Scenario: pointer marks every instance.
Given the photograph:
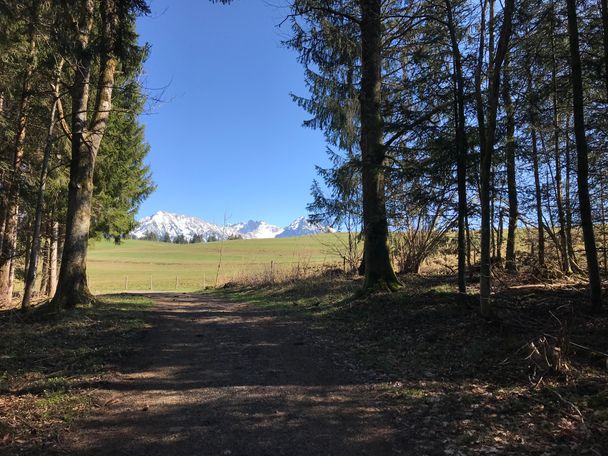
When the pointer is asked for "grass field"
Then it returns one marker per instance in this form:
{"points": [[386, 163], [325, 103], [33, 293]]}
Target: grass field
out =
{"points": [[148, 265]]}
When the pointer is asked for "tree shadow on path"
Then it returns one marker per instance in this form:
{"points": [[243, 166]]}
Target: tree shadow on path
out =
{"points": [[217, 377]]}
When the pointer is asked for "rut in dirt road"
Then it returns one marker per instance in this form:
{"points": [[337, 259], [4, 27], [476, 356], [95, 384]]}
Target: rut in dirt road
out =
{"points": [[219, 378]]}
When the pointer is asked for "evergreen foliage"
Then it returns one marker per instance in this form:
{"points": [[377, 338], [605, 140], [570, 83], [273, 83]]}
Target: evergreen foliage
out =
{"points": [[477, 124], [72, 149]]}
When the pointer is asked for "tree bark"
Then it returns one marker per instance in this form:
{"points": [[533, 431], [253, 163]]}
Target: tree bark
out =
{"points": [[487, 135], [53, 259], [493, 230], [3, 193], [559, 202], [461, 149], [44, 272], [379, 273], [565, 266], [604, 234], [500, 235], [72, 287], [582, 157], [538, 197], [468, 239], [11, 212], [568, 205], [604, 11], [484, 176], [510, 147], [30, 279]]}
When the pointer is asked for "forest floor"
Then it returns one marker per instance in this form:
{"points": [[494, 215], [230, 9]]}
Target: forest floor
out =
{"points": [[302, 368], [457, 384]]}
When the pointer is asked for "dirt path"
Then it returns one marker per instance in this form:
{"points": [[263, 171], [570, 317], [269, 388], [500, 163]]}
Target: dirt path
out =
{"points": [[219, 378]]}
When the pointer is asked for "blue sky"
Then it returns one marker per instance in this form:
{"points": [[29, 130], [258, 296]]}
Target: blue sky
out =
{"points": [[227, 138]]}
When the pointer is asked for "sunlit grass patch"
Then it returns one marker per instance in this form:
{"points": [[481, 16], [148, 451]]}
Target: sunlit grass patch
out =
{"points": [[161, 266]]}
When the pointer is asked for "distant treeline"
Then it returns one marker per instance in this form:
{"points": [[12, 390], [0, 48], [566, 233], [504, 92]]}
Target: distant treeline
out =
{"points": [[181, 239]]}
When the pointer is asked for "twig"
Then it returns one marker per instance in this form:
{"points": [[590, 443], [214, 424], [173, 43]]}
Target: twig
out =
{"points": [[590, 350], [566, 401]]}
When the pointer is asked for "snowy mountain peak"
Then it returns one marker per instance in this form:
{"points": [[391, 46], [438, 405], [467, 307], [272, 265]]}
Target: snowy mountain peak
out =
{"points": [[163, 224], [302, 227], [257, 229], [299, 222]]}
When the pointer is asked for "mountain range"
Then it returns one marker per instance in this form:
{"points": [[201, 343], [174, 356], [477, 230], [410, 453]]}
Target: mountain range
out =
{"points": [[166, 223]]}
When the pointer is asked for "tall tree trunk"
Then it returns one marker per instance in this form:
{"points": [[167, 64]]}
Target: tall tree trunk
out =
{"points": [[582, 158], [461, 149], [487, 134], [11, 212], [484, 177], [30, 278], [493, 229], [468, 237], [72, 287], [604, 11], [568, 204], [28, 229], [532, 120], [559, 201], [53, 258], [379, 273], [538, 197], [499, 234], [604, 234], [3, 193], [44, 272], [510, 260]]}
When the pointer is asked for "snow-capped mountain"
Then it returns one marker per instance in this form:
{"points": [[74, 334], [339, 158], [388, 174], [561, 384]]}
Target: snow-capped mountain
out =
{"points": [[163, 223], [254, 229], [302, 227]]}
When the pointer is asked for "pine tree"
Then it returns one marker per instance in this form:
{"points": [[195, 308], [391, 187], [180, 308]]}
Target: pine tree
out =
{"points": [[487, 133], [582, 157]]}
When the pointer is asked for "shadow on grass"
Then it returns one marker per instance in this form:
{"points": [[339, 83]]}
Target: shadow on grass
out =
{"points": [[224, 378], [429, 345], [44, 356]]}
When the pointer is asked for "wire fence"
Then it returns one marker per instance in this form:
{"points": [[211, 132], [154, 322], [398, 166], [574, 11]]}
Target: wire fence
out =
{"points": [[208, 276]]}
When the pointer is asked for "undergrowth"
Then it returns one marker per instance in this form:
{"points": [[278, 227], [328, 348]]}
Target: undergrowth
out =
{"points": [[463, 385]]}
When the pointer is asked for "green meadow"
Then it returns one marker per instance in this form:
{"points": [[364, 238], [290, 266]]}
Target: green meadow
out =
{"points": [[158, 266]]}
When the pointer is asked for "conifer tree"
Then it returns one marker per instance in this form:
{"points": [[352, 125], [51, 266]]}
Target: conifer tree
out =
{"points": [[582, 157], [114, 32], [486, 117]]}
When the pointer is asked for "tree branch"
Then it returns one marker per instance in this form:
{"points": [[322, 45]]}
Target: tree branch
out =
{"points": [[328, 10], [62, 122]]}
